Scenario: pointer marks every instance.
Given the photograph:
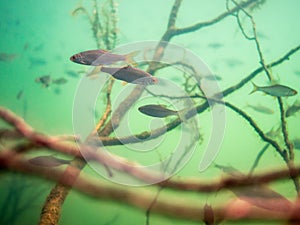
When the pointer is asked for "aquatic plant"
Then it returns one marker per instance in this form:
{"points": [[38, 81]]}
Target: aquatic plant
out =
{"points": [[250, 190]]}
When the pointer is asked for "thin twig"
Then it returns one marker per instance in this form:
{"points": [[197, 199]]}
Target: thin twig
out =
{"points": [[258, 157], [219, 18]]}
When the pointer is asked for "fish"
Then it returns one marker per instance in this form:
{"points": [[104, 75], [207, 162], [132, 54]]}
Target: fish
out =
{"points": [[130, 75], [57, 91], [276, 90], [20, 94], [72, 73], [48, 161], [26, 46], [36, 62], [39, 47], [215, 45], [233, 62], [261, 109], [297, 72], [60, 81], [9, 134], [44, 80], [212, 77], [102, 57], [296, 143], [208, 215], [258, 195], [7, 57], [293, 109], [159, 111]]}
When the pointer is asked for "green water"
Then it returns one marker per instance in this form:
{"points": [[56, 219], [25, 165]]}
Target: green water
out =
{"points": [[46, 31]]}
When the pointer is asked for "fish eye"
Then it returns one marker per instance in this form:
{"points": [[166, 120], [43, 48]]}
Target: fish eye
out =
{"points": [[154, 80]]}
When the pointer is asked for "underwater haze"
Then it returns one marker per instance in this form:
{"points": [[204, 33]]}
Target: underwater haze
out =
{"points": [[200, 124]]}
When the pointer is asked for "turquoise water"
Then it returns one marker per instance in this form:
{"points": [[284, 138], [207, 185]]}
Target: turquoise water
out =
{"points": [[43, 35]]}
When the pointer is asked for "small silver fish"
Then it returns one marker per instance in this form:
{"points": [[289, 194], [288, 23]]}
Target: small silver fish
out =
{"points": [[293, 109], [296, 143], [72, 73], [215, 45], [44, 80], [258, 195], [130, 75], [261, 109], [213, 77], [7, 57], [36, 62], [102, 57], [160, 111], [20, 94], [297, 72], [60, 81], [276, 90], [48, 161]]}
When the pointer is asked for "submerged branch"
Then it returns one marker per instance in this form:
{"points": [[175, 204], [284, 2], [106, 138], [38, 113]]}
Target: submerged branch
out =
{"points": [[219, 18], [15, 162], [8, 160], [173, 14], [259, 155]]}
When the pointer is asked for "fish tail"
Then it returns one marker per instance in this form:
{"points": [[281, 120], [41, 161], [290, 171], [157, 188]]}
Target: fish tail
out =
{"points": [[129, 58], [255, 88]]}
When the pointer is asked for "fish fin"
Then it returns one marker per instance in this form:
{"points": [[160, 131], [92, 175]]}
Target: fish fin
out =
{"points": [[255, 88], [129, 58], [94, 72]]}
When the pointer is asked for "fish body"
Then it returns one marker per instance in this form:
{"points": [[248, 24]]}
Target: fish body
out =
{"points": [[7, 57], [72, 73], [296, 143], [37, 62], [44, 80], [258, 195], [101, 57], [48, 161], [297, 72], [261, 108], [20, 94], [292, 110], [130, 75], [263, 197], [215, 45], [160, 111], [213, 77], [276, 90], [60, 81]]}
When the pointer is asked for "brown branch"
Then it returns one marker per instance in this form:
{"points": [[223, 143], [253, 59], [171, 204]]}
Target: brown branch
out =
{"points": [[13, 161], [173, 14], [289, 160], [255, 38], [107, 110], [200, 25], [288, 144], [258, 130], [8, 157], [258, 157], [142, 199]]}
